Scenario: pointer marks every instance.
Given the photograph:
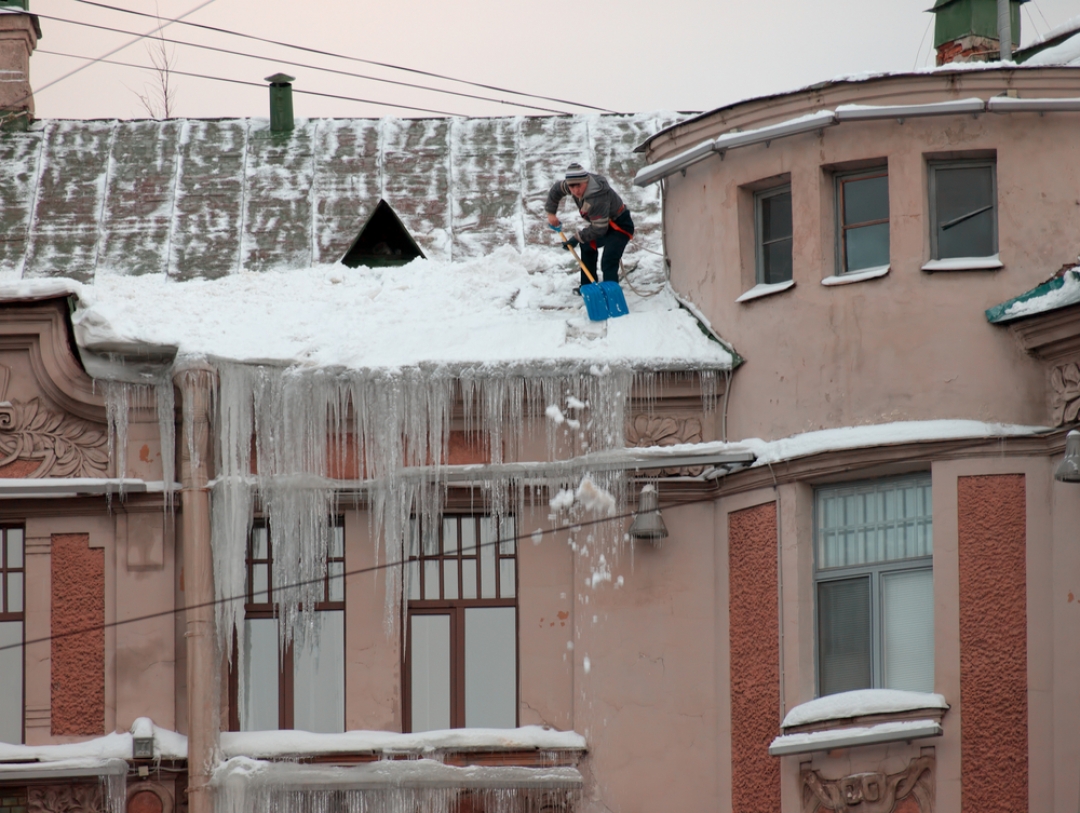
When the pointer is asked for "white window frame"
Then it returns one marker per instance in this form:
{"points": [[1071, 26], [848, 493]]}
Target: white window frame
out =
{"points": [[874, 572]]}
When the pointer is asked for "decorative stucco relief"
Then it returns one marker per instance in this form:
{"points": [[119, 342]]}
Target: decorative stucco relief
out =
{"points": [[65, 799], [63, 446], [664, 430], [910, 790], [1065, 392]]}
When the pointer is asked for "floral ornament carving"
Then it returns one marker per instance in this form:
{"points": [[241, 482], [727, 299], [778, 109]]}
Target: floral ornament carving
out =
{"points": [[659, 430], [1065, 395], [872, 792], [64, 445], [65, 799]]}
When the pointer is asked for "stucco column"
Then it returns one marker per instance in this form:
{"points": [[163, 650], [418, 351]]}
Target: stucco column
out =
{"points": [[196, 385]]}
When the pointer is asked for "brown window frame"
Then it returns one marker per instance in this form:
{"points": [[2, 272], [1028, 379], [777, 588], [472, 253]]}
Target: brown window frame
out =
{"points": [[8, 615], [455, 608], [267, 609], [842, 181]]}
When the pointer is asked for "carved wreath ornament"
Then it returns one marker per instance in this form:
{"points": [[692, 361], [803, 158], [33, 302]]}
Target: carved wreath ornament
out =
{"points": [[657, 430], [1065, 398], [65, 799], [64, 445]]}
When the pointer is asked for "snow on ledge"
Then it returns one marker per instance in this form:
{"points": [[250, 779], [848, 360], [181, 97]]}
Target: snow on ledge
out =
{"points": [[765, 289], [856, 276], [886, 434], [269, 744], [240, 773], [861, 703], [991, 263], [788, 744], [98, 751]]}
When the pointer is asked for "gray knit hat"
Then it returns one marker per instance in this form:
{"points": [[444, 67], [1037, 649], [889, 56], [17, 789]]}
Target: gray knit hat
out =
{"points": [[575, 173]]}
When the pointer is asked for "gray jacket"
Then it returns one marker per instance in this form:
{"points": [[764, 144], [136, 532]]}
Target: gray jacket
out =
{"points": [[600, 205]]}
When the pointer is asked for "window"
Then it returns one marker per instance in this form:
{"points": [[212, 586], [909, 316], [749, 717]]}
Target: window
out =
{"points": [[12, 618], [963, 209], [291, 687], [862, 201], [461, 653], [873, 562], [772, 219]]}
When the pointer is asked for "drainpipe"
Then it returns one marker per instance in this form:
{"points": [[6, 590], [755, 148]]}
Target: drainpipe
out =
{"points": [[1004, 30], [196, 385]]}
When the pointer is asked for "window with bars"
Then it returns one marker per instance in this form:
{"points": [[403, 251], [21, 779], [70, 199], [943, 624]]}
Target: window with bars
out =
{"points": [[290, 687], [862, 201], [12, 624], [461, 650], [873, 562]]}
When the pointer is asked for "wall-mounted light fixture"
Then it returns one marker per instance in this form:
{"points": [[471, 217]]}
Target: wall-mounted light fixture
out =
{"points": [[1068, 471], [648, 523]]}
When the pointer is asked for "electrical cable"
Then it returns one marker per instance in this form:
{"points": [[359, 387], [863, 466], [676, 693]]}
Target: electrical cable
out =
{"points": [[573, 526], [261, 85], [391, 66], [301, 65]]}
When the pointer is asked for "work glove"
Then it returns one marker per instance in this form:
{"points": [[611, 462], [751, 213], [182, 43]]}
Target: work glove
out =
{"points": [[571, 242]]}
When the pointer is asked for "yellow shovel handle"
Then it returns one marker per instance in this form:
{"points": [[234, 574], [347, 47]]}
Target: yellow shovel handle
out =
{"points": [[588, 273]]}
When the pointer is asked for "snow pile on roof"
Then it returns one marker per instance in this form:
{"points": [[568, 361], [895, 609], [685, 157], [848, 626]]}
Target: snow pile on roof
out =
{"points": [[885, 434], [509, 308], [269, 744], [167, 745], [1067, 292], [861, 703], [1064, 53]]}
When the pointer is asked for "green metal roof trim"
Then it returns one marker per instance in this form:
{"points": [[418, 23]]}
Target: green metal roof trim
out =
{"points": [[1060, 292], [207, 198]]}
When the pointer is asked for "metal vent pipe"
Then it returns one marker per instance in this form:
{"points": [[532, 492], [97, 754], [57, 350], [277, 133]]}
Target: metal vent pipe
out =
{"points": [[281, 111], [1004, 30]]}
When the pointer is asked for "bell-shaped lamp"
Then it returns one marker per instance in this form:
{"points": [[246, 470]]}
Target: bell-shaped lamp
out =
{"points": [[1068, 471], [648, 524]]}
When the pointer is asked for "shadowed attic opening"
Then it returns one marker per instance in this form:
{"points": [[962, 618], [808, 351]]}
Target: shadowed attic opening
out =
{"points": [[383, 241]]}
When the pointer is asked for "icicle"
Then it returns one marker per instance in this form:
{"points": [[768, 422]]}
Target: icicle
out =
{"points": [[117, 409], [114, 788]]}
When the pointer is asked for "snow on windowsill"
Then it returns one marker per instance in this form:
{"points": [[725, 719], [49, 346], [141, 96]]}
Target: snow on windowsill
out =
{"points": [[990, 263], [788, 744], [270, 744], [766, 289], [861, 703], [857, 276]]}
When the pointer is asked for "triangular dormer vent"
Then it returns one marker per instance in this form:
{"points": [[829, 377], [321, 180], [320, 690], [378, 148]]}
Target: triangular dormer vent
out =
{"points": [[382, 241]]}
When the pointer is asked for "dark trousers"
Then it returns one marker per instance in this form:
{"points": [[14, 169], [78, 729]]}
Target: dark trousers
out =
{"points": [[613, 243]]}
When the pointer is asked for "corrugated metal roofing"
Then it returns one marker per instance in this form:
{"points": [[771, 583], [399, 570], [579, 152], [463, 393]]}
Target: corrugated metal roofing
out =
{"points": [[206, 198]]}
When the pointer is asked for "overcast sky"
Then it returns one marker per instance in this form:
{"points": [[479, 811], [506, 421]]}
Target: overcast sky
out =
{"points": [[635, 55]]}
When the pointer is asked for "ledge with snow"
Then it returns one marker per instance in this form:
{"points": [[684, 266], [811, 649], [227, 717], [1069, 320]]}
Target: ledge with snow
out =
{"points": [[863, 717]]}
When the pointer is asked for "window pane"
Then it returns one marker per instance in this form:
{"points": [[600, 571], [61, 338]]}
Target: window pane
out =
{"points": [[490, 667], [430, 673], [487, 561], [449, 534], [14, 592], [337, 581], [450, 578], [844, 653], [962, 191], [319, 679], [11, 678], [15, 548], [866, 199], [775, 217], [414, 579], [879, 521], [431, 579], [507, 586], [866, 247], [259, 548], [260, 579], [507, 534], [337, 542], [468, 578], [776, 262], [908, 630], [468, 536], [259, 705]]}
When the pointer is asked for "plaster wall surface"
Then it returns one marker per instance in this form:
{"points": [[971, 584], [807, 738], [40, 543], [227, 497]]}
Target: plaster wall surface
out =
{"points": [[78, 656], [993, 641], [907, 346]]}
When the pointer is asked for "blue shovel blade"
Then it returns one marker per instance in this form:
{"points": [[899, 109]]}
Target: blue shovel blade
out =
{"points": [[595, 302], [616, 302]]}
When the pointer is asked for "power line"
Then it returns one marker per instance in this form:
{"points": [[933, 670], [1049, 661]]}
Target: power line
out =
{"points": [[260, 85], [304, 65], [573, 526], [391, 66]]}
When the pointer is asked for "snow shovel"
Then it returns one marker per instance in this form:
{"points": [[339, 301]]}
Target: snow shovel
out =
{"points": [[603, 299]]}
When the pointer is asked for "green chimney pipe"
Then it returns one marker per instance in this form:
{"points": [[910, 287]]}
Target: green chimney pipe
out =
{"points": [[281, 113], [23, 4]]}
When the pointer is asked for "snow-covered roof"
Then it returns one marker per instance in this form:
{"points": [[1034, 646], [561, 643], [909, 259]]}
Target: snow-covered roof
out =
{"points": [[206, 198], [1060, 291], [1066, 52]]}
